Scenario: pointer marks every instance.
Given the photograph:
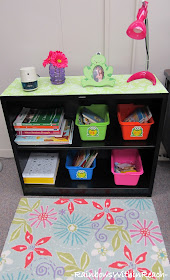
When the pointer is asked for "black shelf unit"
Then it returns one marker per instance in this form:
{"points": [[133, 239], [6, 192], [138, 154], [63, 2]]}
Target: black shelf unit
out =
{"points": [[102, 183]]}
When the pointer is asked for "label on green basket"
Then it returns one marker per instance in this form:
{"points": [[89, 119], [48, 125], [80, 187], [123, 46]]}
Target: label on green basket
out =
{"points": [[137, 131], [93, 131], [81, 174]]}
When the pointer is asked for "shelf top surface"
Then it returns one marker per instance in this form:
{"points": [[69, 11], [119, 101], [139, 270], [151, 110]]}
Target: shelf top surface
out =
{"points": [[72, 86]]}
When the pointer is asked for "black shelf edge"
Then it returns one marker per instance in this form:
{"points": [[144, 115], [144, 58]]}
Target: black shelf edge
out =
{"points": [[94, 146], [113, 140], [54, 191]]}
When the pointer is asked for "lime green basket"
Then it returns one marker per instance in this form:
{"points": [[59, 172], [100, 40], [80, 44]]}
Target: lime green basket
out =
{"points": [[94, 131]]}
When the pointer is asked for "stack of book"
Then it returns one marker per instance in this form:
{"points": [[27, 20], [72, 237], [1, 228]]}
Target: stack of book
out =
{"points": [[41, 168], [84, 158], [142, 115], [43, 127], [88, 117], [124, 167]]}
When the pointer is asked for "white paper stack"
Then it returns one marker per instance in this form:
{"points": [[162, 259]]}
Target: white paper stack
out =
{"points": [[41, 168]]}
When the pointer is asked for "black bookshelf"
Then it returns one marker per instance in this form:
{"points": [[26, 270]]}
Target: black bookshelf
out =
{"points": [[102, 183]]}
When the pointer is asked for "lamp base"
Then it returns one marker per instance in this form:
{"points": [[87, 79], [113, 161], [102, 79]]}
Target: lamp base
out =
{"points": [[143, 75]]}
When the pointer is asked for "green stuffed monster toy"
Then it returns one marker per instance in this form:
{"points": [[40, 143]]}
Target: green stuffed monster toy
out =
{"points": [[98, 73]]}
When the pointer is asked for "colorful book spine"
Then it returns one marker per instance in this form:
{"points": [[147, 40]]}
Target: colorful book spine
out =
{"points": [[136, 116], [91, 116], [48, 140], [58, 133], [91, 159], [45, 118], [81, 158]]}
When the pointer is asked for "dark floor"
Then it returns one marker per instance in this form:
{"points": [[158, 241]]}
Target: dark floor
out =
{"points": [[11, 192]]}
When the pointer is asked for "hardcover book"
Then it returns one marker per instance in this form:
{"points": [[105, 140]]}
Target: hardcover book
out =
{"points": [[37, 118], [92, 117], [81, 158], [90, 159], [141, 115], [39, 132], [48, 140]]}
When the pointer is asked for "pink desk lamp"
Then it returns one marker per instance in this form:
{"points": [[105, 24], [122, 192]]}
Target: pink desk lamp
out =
{"points": [[139, 30]]}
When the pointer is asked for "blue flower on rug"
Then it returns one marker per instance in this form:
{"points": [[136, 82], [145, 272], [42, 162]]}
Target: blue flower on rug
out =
{"points": [[17, 276], [72, 229], [140, 203]]}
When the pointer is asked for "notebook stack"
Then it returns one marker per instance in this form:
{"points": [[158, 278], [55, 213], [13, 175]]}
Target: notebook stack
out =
{"points": [[43, 127], [41, 168]]}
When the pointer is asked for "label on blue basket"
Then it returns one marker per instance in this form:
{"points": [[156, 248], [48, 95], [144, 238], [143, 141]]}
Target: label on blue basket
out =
{"points": [[137, 131], [93, 131], [81, 174]]}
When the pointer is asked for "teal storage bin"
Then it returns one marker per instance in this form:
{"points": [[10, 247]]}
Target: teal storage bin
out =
{"points": [[94, 131], [78, 173]]}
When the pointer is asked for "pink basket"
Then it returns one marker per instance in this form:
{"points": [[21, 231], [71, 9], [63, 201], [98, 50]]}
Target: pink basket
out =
{"points": [[128, 156]]}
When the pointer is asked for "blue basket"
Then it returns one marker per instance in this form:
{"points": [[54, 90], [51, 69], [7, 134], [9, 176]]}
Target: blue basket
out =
{"points": [[79, 173]]}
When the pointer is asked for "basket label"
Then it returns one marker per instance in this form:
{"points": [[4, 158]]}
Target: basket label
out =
{"points": [[93, 131], [137, 131], [81, 174]]}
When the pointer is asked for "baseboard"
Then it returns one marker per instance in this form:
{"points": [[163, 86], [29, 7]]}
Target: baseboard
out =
{"points": [[6, 153]]}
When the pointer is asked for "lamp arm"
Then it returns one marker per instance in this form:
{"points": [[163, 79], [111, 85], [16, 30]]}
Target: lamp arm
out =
{"points": [[147, 44]]}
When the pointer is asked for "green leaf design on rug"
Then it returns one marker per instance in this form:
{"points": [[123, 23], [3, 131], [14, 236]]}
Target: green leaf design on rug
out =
{"points": [[27, 228], [66, 258], [126, 236], [24, 202], [23, 224], [113, 227], [158, 270], [24, 206], [72, 266], [85, 260], [16, 233], [36, 205], [70, 270], [18, 221], [116, 240]]}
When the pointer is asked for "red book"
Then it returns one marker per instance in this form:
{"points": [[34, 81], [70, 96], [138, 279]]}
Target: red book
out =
{"points": [[58, 133]]}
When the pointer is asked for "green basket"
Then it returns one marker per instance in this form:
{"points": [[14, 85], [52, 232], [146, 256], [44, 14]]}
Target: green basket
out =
{"points": [[94, 131]]}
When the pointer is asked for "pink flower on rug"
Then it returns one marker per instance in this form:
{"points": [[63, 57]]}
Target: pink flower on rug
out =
{"points": [[71, 205], [106, 211], [130, 274], [146, 232], [42, 217], [32, 247]]}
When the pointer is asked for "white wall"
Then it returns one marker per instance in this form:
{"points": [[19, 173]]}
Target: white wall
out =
{"points": [[79, 28]]}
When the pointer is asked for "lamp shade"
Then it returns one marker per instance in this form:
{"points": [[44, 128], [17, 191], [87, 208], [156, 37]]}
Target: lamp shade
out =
{"points": [[137, 29]]}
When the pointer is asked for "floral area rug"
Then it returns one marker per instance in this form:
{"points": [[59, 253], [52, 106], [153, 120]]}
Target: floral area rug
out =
{"points": [[94, 239]]}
